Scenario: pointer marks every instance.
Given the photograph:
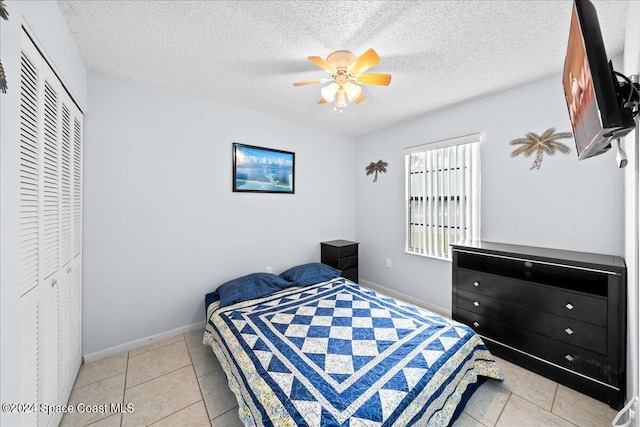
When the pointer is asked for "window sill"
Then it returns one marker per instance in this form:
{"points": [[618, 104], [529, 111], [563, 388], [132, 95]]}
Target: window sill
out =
{"points": [[429, 256]]}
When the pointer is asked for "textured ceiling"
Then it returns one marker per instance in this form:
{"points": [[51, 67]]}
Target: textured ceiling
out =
{"points": [[248, 53]]}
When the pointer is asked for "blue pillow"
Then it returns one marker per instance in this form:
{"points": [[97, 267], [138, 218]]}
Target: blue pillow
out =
{"points": [[309, 274], [248, 287]]}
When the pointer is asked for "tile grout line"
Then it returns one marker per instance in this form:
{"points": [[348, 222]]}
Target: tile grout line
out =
{"points": [[159, 376], [530, 401], [155, 348], [124, 389], [470, 416], [553, 403], [503, 408], [155, 378], [151, 349], [198, 381], [173, 413], [97, 381], [237, 408], [182, 367], [166, 373]]}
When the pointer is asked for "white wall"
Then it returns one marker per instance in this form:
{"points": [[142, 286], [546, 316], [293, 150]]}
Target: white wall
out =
{"points": [[162, 226], [566, 204], [48, 26], [632, 195]]}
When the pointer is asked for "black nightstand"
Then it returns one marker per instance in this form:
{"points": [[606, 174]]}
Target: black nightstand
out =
{"points": [[343, 255]]}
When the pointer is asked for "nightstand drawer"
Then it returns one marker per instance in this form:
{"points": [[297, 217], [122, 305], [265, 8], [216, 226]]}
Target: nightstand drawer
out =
{"points": [[351, 274], [587, 308], [347, 251], [347, 263]]}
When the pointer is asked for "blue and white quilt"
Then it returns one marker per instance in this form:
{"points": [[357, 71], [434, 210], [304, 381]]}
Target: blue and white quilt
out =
{"points": [[337, 354]]}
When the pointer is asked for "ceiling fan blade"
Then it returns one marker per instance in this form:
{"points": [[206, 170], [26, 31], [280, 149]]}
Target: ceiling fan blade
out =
{"points": [[321, 63], [310, 82], [360, 98], [364, 62], [322, 101], [374, 79]]}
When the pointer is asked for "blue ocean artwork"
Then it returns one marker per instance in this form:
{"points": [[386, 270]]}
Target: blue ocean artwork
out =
{"points": [[260, 169]]}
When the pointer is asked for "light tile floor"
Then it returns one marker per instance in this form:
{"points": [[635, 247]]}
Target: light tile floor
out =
{"points": [[179, 382]]}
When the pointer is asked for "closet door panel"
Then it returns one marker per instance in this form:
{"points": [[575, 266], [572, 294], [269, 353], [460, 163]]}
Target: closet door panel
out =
{"points": [[76, 239], [66, 184], [65, 328], [49, 341], [77, 183], [30, 257], [76, 312], [29, 355], [68, 352], [50, 175], [50, 179], [29, 176]]}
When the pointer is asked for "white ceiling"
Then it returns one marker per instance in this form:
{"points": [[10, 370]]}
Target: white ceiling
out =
{"points": [[248, 53]]}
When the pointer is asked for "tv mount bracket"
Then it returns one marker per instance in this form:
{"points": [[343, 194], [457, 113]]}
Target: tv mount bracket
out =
{"points": [[629, 92]]}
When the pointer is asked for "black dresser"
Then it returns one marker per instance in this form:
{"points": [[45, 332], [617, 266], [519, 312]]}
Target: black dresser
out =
{"points": [[343, 255], [559, 313]]}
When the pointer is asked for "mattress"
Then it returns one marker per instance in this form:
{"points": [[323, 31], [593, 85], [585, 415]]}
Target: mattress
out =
{"points": [[339, 354]]}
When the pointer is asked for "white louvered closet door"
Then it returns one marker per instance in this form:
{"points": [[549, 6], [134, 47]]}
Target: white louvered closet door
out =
{"points": [[50, 236]]}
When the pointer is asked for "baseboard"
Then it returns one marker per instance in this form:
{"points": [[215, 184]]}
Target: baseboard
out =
{"points": [[132, 345], [407, 298]]}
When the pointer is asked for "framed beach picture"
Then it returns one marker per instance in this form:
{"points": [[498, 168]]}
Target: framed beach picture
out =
{"points": [[262, 170]]}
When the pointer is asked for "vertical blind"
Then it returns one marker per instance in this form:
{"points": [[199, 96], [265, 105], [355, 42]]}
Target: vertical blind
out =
{"points": [[442, 195]]}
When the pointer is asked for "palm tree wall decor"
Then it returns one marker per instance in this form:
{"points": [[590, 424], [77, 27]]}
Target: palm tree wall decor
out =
{"points": [[545, 143], [374, 168], [3, 78]]}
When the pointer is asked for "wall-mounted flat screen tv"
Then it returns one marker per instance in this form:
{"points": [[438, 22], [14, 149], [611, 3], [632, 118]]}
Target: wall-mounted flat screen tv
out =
{"points": [[590, 86]]}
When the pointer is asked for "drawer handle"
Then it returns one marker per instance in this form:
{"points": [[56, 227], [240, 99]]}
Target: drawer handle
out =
{"points": [[476, 324], [569, 357], [569, 306], [476, 284], [476, 303], [569, 331]]}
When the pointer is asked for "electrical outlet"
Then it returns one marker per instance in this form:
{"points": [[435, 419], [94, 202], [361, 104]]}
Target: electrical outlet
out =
{"points": [[388, 263], [268, 269]]}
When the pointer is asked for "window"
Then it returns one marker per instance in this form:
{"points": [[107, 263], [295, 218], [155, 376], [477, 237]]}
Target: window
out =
{"points": [[442, 195]]}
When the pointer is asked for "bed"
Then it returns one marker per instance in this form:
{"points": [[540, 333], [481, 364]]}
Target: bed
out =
{"points": [[335, 353]]}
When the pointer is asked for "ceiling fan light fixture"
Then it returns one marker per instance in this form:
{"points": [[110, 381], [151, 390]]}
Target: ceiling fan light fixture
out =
{"points": [[329, 92], [348, 73], [352, 90], [341, 98]]}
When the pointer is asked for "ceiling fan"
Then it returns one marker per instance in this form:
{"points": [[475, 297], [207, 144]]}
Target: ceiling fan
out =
{"points": [[347, 73]]}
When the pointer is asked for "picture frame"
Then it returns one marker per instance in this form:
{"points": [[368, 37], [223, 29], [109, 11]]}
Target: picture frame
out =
{"points": [[263, 170]]}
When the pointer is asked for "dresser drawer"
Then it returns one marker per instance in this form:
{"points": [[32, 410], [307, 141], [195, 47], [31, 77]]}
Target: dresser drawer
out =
{"points": [[577, 359], [579, 306], [571, 331]]}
